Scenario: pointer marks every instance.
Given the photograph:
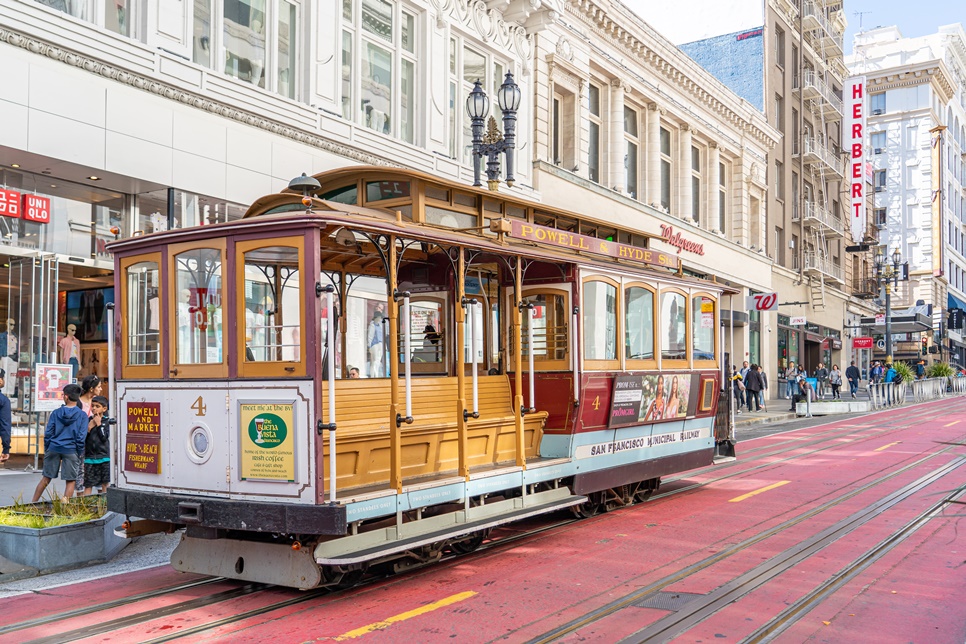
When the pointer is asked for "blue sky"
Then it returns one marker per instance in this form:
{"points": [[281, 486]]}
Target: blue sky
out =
{"points": [[914, 19], [715, 17]]}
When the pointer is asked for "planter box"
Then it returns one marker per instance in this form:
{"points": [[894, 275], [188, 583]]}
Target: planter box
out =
{"points": [[65, 546], [826, 408]]}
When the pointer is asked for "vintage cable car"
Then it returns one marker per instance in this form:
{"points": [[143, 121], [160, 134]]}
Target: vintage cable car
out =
{"points": [[376, 366]]}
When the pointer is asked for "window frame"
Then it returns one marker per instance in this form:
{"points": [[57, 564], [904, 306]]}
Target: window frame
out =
{"points": [[667, 167], [696, 182], [595, 120], [445, 366], [207, 370], [632, 140], [140, 371], [668, 363], [605, 364], [538, 363], [715, 350], [643, 364], [269, 369]]}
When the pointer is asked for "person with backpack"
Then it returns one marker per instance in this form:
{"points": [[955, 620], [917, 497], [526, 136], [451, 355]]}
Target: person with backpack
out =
{"points": [[853, 376], [890, 378]]}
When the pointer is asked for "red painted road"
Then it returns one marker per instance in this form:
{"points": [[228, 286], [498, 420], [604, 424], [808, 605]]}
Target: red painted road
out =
{"points": [[746, 520]]}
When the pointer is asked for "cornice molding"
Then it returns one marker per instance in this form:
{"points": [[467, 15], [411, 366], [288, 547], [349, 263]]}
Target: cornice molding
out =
{"points": [[189, 98], [606, 28], [933, 71]]}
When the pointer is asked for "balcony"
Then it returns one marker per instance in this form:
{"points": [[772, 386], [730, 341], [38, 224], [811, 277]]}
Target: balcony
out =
{"points": [[829, 164], [814, 88], [827, 34], [819, 217], [821, 267], [865, 287]]}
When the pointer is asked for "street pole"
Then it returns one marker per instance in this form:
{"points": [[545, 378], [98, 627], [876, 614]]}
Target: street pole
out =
{"points": [[888, 323]]}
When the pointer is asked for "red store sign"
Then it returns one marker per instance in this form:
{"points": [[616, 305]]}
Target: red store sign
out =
{"points": [[30, 207], [681, 243]]}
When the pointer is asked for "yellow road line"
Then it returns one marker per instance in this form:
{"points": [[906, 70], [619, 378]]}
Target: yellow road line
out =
{"points": [[416, 612], [879, 449], [951, 424], [764, 489]]}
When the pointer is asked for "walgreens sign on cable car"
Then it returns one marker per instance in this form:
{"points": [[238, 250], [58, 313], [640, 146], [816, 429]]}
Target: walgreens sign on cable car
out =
{"points": [[24, 206]]}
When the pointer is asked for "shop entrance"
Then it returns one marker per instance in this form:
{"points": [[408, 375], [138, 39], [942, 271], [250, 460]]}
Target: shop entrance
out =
{"points": [[29, 338], [813, 355]]}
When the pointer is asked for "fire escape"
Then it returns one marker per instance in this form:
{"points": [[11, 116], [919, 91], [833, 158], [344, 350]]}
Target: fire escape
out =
{"points": [[823, 28]]}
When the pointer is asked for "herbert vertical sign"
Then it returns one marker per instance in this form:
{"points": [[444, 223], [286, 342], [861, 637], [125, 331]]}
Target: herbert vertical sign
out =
{"points": [[855, 143], [142, 451], [267, 441]]}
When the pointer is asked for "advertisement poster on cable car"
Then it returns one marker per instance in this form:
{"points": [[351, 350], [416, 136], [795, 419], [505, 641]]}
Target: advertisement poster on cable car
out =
{"points": [[641, 399], [50, 379], [267, 440]]}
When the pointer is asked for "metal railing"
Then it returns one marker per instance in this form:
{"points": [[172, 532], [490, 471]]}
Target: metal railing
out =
{"points": [[815, 262], [891, 394], [815, 87], [815, 212], [830, 33], [830, 163]]}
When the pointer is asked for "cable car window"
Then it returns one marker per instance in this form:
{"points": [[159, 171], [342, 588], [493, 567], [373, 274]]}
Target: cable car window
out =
{"points": [[143, 281], [346, 194], [272, 305], [198, 288], [702, 327], [673, 322], [383, 190], [427, 336], [367, 329], [551, 338], [600, 321], [639, 323]]}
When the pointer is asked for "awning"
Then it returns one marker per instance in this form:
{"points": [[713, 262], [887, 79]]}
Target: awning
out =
{"points": [[953, 302], [902, 322]]}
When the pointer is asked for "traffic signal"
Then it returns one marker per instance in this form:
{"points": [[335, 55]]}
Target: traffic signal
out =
{"points": [[925, 345]]}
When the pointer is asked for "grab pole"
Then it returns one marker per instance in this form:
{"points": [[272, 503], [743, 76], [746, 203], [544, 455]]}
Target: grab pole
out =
{"points": [[330, 349], [473, 332], [530, 312], [407, 352]]}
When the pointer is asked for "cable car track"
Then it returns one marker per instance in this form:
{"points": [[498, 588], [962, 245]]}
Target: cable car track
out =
{"points": [[494, 545], [676, 623]]}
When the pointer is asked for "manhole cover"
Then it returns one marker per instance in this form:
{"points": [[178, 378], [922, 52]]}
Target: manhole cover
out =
{"points": [[667, 601]]}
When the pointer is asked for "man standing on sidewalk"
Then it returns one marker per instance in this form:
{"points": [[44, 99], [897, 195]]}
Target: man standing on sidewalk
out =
{"points": [[753, 386], [853, 376], [821, 376]]}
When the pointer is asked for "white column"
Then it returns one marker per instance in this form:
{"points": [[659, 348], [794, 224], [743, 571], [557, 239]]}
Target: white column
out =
{"points": [[616, 149], [653, 155], [684, 175], [711, 214]]}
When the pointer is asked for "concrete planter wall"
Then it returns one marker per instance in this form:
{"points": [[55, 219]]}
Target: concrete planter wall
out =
{"points": [[65, 546], [837, 407]]}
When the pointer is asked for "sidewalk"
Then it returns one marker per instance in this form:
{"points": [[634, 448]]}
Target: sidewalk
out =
{"points": [[776, 413]]}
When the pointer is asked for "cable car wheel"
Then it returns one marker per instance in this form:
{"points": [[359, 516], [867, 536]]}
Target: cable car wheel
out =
{"points": [[590, 507], [645, 489], [469, 543], [342, 577]]}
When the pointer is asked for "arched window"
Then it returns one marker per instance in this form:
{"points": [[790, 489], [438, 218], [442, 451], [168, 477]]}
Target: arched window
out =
{"points": [[639, 327], [674, 329], [599, 307]]}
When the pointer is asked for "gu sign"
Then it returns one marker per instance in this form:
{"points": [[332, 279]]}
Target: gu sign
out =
{"points": [[855, 143]]}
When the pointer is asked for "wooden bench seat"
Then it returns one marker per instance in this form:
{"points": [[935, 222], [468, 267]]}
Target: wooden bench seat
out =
{"points": [[430, 444]]}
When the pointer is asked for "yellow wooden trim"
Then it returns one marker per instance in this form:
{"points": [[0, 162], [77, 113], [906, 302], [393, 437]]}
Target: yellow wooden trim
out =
{"points": [[552, 365], [270, 369], [395, 432], [148, 372], [206, 370]]}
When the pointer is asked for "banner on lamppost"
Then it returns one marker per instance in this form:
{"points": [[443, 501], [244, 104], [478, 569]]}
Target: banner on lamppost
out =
{"points": [[855, 143]]}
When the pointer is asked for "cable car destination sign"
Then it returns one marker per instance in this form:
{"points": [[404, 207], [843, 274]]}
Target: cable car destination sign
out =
{"points": [[574, 241]]}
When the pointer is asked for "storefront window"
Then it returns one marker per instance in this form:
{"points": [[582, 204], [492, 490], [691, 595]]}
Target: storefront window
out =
{"points": [[272, 305], [143, 314], [189, 210], [198, 312]]}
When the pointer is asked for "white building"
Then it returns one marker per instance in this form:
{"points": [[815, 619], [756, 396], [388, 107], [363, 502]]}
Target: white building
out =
{"points": [[917, 116]]}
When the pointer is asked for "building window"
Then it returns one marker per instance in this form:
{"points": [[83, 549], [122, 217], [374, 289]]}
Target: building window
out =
{"points": [[555, 130], [379, 67], [257, 38], [593, 152], [695, 184], [780, 113], [779, 180], [631, 147], [780, 246], [878, 142], [879, 180], [722, 197], [115, 14], [665, 169], [878, 103], [467, 65], [779, 46]]}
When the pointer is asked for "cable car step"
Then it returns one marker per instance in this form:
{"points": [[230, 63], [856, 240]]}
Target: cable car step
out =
{"points": [[380, 543]]}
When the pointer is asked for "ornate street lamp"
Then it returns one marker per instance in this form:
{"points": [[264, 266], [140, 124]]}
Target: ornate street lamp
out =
{"points": [[492, 143], [887, 276]]}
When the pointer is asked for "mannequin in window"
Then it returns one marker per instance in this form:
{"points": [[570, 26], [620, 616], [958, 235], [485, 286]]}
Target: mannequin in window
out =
{"points": [[374, 336], [184, 326], [69, 350], [10, 348]]}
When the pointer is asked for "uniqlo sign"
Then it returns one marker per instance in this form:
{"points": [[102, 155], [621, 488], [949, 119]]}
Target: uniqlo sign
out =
{"points": [[9, 203], [36, 208]]}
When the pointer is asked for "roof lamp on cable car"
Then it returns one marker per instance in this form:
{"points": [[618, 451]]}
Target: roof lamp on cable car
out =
{"points": [[306, 185], [492, 143]]}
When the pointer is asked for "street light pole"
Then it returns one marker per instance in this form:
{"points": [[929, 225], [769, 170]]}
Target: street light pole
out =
{"points": [[887, 276], [488, 141]]}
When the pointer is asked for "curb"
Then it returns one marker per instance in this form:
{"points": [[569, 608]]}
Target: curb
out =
{"points": [[763, 420]]}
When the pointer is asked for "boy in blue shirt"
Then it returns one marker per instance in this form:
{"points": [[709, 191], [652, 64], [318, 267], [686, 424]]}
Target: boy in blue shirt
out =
{"points": [[64, 441]]}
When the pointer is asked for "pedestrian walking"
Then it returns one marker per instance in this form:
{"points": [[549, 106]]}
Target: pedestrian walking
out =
{"points": [[921, 370], [753, 385], [64, 442], [744, 373], [763, 395], [792, 386], [835, 380], [738, 387], [853, 376]]}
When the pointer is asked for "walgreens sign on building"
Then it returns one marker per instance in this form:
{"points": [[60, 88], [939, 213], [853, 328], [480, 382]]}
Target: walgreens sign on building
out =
{"points": [[855, 143]]}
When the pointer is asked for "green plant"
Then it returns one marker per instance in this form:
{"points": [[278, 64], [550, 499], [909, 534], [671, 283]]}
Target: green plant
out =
{"points": [[940, 370], [905, 370], [53, 512]]}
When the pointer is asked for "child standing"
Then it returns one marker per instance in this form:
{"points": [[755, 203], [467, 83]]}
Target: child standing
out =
{"points": [[97, 452], [64, 441]]}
